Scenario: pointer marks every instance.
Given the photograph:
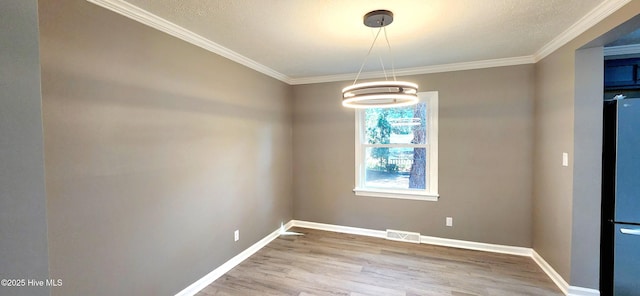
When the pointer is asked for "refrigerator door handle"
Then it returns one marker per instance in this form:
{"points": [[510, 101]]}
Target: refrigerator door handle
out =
{"points": [[630, 231]]}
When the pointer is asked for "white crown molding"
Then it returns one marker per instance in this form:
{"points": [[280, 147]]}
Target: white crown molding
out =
{"points": [[133, 12], [200, 284], [420, 70], [596, 15], [138, 14], [622, 50]]}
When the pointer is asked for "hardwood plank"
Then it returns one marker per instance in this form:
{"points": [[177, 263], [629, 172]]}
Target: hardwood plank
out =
{"points": [[328, 263]]}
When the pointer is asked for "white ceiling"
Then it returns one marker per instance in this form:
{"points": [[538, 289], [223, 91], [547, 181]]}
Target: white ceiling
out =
{"points": [[301, 41]]}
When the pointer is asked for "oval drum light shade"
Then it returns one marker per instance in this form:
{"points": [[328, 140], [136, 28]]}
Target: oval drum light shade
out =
{"points": [[379, 94]]}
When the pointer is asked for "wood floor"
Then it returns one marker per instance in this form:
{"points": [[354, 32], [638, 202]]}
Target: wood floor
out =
{"points": [[328, 263]]}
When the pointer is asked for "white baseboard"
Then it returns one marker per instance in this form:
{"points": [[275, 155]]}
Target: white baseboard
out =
{"points": [[200, 284], [520, 251], [555, 277], [559, 281], [454, 243], [338, 228], [423, 239], [511, 250], [579, 291]]}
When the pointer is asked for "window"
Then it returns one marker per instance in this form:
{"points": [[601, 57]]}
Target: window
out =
{"points": [[397, 150]]}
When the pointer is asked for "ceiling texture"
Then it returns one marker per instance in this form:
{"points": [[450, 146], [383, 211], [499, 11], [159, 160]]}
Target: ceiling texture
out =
{"points": [[307, 41]]}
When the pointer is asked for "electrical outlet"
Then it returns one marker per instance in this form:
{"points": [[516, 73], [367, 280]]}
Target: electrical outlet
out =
{"points": [[565, 159], [236, 235], [449, 221]]}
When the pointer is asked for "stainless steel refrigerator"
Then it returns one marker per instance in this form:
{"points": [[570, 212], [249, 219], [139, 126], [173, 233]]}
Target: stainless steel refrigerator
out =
{"points": [[620, 262]]}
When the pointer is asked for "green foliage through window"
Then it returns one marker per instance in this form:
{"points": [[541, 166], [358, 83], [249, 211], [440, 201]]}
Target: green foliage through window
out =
{"points": [[398, 129]]}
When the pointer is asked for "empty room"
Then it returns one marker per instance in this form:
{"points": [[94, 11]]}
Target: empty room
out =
{"points": [[319, 147]]}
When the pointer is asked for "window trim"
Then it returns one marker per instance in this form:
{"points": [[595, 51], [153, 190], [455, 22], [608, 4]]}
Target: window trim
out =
{"points": [[431, 98]]}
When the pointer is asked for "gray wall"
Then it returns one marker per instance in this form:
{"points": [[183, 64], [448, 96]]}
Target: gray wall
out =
{"points": [[587, 174], [552, 207], [156, 151], [23, 222], [566, 201], [485, 157]]}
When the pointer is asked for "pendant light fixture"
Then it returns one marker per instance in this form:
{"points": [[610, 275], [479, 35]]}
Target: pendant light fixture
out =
{"points": [[379, 94]]}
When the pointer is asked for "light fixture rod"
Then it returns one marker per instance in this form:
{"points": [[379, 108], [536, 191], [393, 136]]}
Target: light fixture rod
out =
{"points": [[368, 54], [393, 68]]}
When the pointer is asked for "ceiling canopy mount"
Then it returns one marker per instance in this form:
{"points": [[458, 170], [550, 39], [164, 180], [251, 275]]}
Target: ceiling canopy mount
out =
{"points": [[378, 18]]}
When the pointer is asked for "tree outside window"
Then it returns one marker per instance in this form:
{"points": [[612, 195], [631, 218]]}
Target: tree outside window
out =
{"points": [[397, 150]]}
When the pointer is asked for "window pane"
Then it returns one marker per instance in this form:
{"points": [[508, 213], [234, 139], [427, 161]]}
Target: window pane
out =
{"points": [[396, 168], [402, 125]]}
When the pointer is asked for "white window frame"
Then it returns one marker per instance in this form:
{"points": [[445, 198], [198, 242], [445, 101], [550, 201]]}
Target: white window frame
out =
{"points": [[429, 194]]}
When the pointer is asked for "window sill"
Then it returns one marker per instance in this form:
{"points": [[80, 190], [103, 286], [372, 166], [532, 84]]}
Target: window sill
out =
{"points": [[399, 194]]}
